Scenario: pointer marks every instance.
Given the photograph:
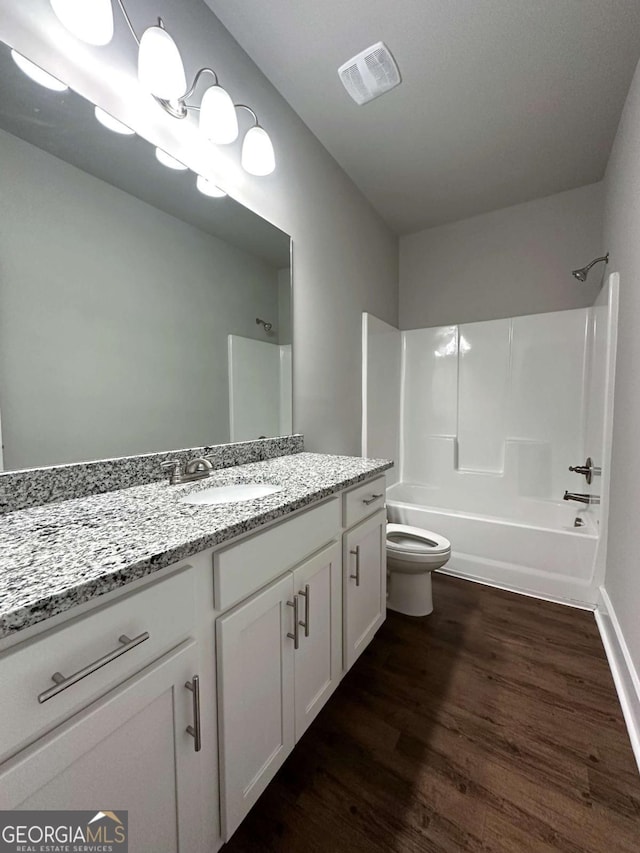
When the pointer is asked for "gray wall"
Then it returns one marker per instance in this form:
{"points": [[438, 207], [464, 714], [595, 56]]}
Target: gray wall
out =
{"points": [[345, 257], [622, 230], [504, 263], [113, 317]]}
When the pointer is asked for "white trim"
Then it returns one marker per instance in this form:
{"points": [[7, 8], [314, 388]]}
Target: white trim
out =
{"points": [[365, 382], [230, 381], [538, 583], [624, 673], [517, 590], [403, 396], [612, 293]]}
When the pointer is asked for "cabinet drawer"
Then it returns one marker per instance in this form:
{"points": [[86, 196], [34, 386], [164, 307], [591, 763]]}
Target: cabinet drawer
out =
{"points": [[89, 646], [363, 501], [243, 568]]}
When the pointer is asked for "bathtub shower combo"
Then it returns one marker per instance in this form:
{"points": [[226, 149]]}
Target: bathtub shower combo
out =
{"points": [[486, 422]]}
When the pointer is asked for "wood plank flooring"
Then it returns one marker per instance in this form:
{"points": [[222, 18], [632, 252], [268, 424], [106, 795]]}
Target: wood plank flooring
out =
{"points": [[491, 725]]}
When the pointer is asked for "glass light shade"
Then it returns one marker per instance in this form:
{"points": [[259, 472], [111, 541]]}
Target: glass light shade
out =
{"points": [[207, 187], [112, 123], [160, 68], [88, 20], [218, 120], [37, 74], [258, 156], [169, 161]]}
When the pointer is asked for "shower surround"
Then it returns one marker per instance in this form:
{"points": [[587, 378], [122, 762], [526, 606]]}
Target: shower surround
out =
{"points": [[491, 415]]}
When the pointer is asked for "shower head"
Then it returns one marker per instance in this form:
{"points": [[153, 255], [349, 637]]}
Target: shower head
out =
{"points": [[267, 326], [583, 272]]}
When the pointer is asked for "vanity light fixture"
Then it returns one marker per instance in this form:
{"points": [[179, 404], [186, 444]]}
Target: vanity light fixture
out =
{"points": [[208, 188], [37, 74], [160, 68], [89, 20], [161, 72], [218, 119], [169, 161], [112, 123], [258, 156]]}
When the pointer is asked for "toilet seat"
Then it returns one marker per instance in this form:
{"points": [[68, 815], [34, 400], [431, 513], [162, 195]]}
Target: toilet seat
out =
{"points": [[413, 544]]}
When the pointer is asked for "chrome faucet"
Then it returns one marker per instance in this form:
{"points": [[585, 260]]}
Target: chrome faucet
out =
{"points": [[194, 469], [582, 498]]}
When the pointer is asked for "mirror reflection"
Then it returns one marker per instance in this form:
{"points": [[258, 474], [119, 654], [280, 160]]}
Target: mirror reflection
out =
{"points": [[137, 313]]}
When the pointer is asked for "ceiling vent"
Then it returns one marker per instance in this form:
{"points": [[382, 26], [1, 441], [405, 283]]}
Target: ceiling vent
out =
{"points": [[370, 74]]}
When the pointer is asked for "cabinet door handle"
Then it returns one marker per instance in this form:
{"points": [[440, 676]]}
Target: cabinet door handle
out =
{"points": [[296, 623], [62, 682], [356, 553], [307, 608], [372, 499], [195, 730]]}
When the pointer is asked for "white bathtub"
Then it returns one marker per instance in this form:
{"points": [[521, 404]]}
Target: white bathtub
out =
{"points": [[538, 552]]}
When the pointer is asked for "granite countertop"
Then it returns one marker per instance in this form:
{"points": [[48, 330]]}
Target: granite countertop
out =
{"points": [[56, 556]]}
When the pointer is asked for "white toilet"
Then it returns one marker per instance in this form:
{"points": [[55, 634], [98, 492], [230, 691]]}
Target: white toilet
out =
{"points": [[412, 554]]}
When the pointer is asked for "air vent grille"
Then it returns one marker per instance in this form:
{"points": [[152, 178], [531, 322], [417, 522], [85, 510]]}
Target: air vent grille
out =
{"points": [[370, 74], [354, 84]]}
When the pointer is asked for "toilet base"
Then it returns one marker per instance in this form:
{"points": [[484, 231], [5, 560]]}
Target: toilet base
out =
{"points": [[409, 593]]}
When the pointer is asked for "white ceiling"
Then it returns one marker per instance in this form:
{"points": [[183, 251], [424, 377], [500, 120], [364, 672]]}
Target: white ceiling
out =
{"points": [[502, 101]]}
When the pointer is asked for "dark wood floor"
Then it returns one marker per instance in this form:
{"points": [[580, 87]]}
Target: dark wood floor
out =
{"points": [[492, 725]]}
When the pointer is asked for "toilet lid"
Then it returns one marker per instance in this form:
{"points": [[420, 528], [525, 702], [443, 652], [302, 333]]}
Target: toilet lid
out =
{"points": [[404, 539]]}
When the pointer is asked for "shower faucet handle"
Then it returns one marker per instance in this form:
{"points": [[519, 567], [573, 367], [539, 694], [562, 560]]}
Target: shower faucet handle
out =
{"points": [[580, 469], [588, 470]]}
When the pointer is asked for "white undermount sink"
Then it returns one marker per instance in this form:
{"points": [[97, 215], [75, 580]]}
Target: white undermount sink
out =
{"points": [[230, 494]]}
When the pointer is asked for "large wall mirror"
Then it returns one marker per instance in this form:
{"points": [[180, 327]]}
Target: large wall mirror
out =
{"points": [[136, 313]]}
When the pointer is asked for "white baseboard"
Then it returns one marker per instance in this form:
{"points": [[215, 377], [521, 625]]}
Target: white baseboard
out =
{"points": [[624, 673]]}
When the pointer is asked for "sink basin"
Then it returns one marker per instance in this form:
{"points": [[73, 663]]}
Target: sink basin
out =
{"points": [[230, 494]]}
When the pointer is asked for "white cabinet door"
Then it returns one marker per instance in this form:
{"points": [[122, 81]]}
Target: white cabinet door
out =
{"points": [[129, 751], [365, 584], [318, 659], [255, 697]]}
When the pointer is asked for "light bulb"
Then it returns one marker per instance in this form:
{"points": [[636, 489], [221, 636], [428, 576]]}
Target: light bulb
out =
{"points": [[258, 156], [88, 20], [207, 187], [169, 161], [160, 68], [112, 123], [37, 74], [218, 120]]}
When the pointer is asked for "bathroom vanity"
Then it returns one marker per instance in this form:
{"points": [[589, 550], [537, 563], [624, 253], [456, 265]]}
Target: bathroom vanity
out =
{"points": [[159, 656], [165, 658]]}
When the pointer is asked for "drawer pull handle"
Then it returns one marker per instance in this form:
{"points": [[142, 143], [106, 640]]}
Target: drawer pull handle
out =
{"points": [[307, 608], [195, 730], [296, 623], [62, 682], [372, 499], [356, 553]]}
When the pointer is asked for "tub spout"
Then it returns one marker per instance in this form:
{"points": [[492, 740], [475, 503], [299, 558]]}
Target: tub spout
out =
{"points": [[582, 498]]}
